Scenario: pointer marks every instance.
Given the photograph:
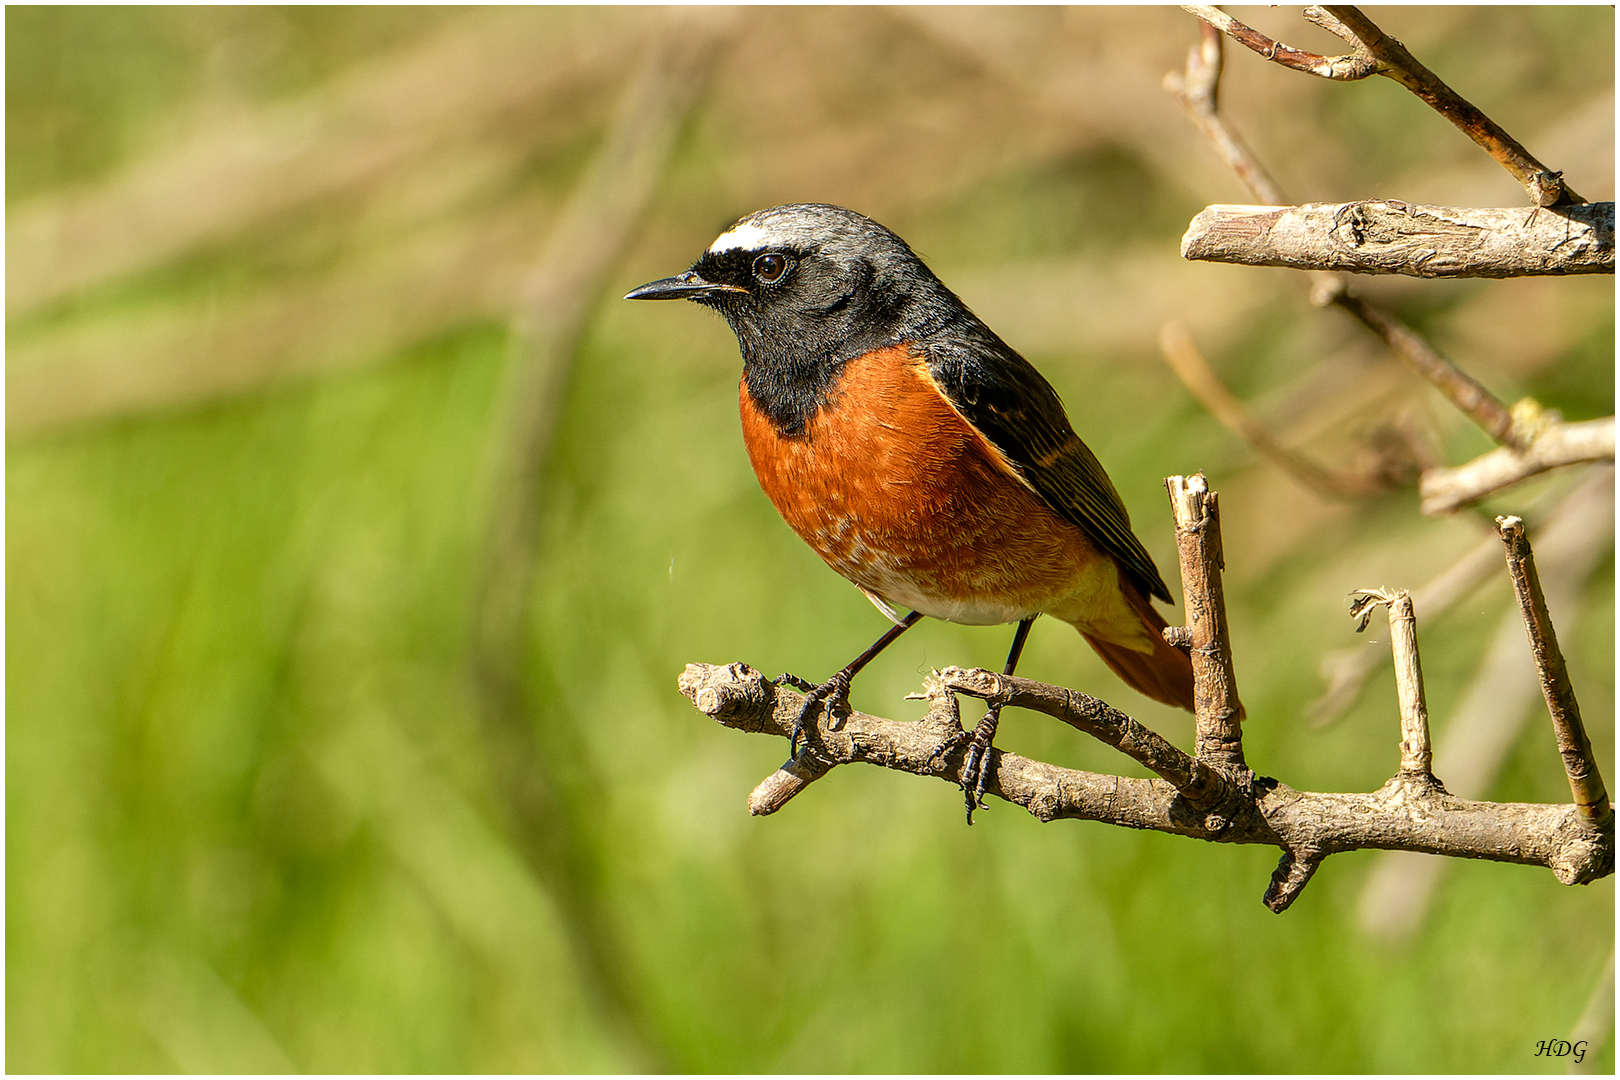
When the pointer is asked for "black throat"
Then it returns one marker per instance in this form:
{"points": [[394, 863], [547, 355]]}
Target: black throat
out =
{"points": [[790, 380]]}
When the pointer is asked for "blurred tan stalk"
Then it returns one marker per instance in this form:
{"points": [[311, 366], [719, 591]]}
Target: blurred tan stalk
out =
{"points": [[527, 737]]}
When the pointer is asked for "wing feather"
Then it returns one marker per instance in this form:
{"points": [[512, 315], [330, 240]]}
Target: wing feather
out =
{"points": [[1011, 404]]}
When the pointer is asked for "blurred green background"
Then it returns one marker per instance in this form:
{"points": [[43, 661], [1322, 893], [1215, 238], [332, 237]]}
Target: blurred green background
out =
{"points": [[273, 275]]}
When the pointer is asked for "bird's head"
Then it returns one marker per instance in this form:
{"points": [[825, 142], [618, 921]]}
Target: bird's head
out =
{"points": [[806, 282]]}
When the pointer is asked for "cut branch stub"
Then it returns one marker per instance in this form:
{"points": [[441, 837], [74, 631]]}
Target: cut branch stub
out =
{"points": [[1585, 779], [1416, 757], [1293, 873], [1217, 710]]}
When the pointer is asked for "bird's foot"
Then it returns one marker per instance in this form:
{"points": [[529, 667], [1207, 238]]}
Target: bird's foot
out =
{"points": [[976, 765], [831, 697]]}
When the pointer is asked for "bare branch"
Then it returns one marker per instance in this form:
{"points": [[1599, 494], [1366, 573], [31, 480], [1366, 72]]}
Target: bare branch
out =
{"points": [[1546, 187], [1552, 445], [1478, 737], [1460, 388], [1198, 540], [1381, 236], [1349, 67], [1197, 89], [1194, 779], [1184, 358], [1375, 53], [1585, 779], [1310, 825]]}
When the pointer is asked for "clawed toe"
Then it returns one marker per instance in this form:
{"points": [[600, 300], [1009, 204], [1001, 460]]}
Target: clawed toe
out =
{"points": [[830, 697], [976, 765]]}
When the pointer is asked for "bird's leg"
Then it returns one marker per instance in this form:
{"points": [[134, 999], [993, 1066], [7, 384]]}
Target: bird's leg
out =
{"points": [[835, 691], [976, 767]]}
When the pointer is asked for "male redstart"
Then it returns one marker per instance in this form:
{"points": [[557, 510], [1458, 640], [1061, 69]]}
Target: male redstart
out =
{"points": [[919, 455]]}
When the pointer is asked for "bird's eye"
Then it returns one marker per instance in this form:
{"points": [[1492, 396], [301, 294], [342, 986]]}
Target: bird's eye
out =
{"points": [[770, 268]]}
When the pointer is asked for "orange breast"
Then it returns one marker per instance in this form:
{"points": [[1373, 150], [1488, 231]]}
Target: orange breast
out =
{"points": [[902, 496]]}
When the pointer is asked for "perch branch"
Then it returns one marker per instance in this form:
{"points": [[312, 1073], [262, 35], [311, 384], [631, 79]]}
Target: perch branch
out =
{"points": [[1553, 444], [1380, 236], [1585, 779], [1210, 796], [1310, 825], [1185, 359], [1194, 779], [1215, 698], [1374, 52]]}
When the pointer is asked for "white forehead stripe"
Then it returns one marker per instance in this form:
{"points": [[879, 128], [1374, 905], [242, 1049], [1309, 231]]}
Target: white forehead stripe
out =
{"points": [[744, 236]]}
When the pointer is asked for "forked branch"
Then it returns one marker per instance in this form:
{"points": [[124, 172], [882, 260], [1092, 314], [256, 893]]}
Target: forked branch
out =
{"points": [[1210, 795], [1374, 52]]}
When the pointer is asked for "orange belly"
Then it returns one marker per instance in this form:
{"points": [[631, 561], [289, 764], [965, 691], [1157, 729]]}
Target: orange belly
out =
{"points": [[902, 496]]}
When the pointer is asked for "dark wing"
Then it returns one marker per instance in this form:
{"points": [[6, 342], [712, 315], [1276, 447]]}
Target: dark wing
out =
{"points": [[1012, 405]]}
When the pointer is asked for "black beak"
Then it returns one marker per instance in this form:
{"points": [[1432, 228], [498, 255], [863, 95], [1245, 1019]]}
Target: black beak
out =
{"points": [[687, 286]]}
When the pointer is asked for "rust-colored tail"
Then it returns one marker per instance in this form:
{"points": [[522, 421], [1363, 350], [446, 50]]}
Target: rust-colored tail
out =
{"points": [[1165, 674]]}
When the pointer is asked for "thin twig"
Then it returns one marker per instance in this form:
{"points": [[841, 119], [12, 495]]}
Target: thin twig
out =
{"points": [[1198, 89], [1353, 65], [1585, 778], [1375, 53], [1460, 388], [1182, 354], [1348, 669], [1551, 444], [1546, 188], [1385, 236], [1217, 711]]}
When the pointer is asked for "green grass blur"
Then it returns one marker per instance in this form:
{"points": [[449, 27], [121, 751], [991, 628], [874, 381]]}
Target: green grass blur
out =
{"points": [[251, 824]]}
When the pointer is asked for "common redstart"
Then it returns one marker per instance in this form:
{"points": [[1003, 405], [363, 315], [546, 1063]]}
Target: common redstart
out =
{"points": [[919, 455]]}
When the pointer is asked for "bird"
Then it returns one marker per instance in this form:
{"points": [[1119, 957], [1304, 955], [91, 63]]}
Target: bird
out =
{"points": [[920, 456]]}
